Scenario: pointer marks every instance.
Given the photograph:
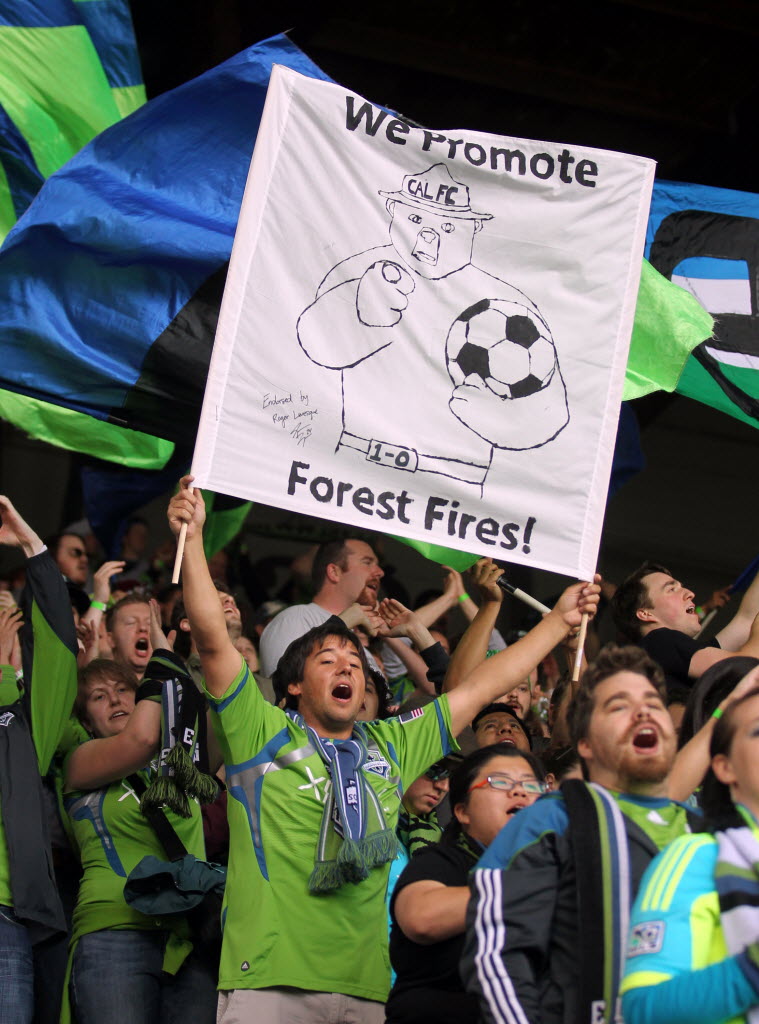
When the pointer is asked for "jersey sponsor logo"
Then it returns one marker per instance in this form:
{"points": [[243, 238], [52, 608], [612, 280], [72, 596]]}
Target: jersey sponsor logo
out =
{"points": [[6, 718], [245, 966], [646, 938], [377, 764], [409, 716]]}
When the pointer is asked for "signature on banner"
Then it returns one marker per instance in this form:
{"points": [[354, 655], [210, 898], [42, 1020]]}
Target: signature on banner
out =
{"points": [[290, 410]]}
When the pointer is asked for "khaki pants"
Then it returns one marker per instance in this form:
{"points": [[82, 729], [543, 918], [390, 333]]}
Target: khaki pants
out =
{"points": [[295, 1006]]}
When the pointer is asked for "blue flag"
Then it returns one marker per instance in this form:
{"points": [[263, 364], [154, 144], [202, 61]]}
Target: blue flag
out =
{"points": [[110, 284]]}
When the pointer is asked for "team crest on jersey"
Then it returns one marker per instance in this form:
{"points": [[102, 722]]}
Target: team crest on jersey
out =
{"points": [[377, 764], [646, 938]]}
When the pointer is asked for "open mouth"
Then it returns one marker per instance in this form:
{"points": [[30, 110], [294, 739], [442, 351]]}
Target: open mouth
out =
{"points": [[118, 714], [342, 692], [646, 738], [507, 741], [427, 246]]}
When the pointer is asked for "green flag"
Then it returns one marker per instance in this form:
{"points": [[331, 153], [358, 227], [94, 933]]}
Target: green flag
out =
{"points": [[77, 432], [225, 518], [458, 560], [669, 324]]}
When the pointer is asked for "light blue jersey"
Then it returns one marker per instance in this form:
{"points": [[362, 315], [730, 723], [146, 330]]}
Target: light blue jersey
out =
{"points": [[678, 968]]}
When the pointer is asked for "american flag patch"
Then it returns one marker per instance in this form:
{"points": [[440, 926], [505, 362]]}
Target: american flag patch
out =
{"points": [[409, 716]]}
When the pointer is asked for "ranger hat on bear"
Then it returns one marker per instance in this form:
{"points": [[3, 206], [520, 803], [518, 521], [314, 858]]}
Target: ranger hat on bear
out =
{"points": [[437, 192]]}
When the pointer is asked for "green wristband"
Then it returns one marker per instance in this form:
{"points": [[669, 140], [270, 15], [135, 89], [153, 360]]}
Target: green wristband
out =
{"points": [[717, 713], [463, 597], [99, 605]]}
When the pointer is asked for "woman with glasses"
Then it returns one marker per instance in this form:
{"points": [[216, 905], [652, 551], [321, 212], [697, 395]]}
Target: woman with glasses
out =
{"points": [[429, 903]]}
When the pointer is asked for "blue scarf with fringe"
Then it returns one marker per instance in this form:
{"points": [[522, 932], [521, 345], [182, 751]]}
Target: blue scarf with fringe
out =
{"points": [[353, 836]]}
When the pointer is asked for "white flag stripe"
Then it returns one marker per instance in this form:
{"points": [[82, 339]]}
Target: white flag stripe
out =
{"points": [[741, 359], [718, 295]]}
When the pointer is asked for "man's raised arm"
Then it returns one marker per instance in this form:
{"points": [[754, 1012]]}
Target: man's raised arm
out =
{"points": [[708, 656], [218, 656], [508, 668], [737, 632]]}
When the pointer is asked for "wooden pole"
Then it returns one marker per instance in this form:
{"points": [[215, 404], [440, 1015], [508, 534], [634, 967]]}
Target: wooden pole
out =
{"points": [[180, 550], [580, 647]]}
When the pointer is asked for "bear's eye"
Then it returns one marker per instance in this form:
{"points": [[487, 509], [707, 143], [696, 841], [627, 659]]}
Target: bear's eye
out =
{"points": [[415, 218], [448, 227]]}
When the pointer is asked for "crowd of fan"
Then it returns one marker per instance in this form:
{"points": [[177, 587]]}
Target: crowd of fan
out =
{"points": [[382, 824]]}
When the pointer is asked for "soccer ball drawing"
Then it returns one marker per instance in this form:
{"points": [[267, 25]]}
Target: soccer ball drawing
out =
{"points": [[505, 345], [498, 354], [407, 325]]}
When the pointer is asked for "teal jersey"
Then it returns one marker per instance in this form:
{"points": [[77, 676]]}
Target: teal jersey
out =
{"points": [[678, 968], [276, 932]]}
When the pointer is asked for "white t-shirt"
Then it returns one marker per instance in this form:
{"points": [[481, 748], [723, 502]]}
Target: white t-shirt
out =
{"points": [[291, 623]]}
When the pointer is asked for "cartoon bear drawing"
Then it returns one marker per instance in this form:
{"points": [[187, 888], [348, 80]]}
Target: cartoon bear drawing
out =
{"points": [[449, 359]]}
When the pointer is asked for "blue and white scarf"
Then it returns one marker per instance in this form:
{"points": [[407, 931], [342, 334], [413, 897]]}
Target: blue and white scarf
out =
{"points": [[353, 836]]}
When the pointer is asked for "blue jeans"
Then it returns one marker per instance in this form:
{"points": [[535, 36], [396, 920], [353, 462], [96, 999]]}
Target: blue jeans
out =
{"points": [[16, 970], [117, 979]]}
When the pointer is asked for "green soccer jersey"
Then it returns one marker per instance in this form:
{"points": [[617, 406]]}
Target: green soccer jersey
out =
{"points": [[113, 836], [276, 932], [661, 819]]}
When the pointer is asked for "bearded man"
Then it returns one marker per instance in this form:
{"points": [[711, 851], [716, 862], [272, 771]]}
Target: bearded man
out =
{"points": [[547, 924]]}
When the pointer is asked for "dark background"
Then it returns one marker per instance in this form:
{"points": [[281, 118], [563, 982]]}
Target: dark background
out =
{"points": [[672, 81]]}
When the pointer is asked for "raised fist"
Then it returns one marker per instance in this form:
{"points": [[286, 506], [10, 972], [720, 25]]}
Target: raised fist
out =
{"points": [[383, 294]]}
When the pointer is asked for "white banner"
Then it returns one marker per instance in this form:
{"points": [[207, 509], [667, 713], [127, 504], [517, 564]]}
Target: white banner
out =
{"points": [[425, 333]]}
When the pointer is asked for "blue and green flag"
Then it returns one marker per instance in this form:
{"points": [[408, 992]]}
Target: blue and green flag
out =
{"points": [[68, 70], [123, 255], [707, 241]]}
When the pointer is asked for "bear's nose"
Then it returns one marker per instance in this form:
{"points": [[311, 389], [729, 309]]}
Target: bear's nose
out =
{"points": [[428, 235]]}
